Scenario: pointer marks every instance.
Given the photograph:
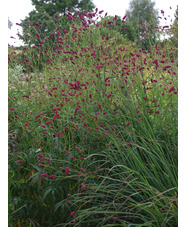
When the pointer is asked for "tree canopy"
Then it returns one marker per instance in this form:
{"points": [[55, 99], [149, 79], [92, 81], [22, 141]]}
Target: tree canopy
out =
{"points": [[174, 28], [124, 28], [144, 17], [49, 14], [53, 7]]}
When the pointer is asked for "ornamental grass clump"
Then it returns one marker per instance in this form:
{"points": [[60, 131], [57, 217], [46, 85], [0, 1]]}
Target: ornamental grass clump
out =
{"points": [[93, 129]]}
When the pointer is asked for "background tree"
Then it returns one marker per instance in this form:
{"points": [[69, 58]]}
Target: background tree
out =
{"points": [[124, 28], [10, 24], [127, 30], [144, 17], [37, 23], [174, 29], [48, 15], [53, 7]]}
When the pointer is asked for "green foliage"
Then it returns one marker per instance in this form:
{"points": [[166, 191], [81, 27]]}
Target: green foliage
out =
{"points": [[143, 16], [93, 136], [46, 27], [53, 7], [130, 32], [174, 29], [125, 29], [48, 16], [86, 5]]}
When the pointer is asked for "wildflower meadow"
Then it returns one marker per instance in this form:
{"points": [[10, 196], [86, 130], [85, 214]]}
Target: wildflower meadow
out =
{"points": [[93, 127]]}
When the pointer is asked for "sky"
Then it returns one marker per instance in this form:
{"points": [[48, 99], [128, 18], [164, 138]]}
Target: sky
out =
{"points": [[112, 7]]}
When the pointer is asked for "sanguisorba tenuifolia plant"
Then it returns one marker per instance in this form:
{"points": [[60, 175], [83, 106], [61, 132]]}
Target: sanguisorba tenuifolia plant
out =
{"points": [[93, 129]]}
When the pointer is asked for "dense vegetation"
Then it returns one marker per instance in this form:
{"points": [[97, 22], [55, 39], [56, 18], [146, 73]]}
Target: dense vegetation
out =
{"points": [[93, 127]]}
